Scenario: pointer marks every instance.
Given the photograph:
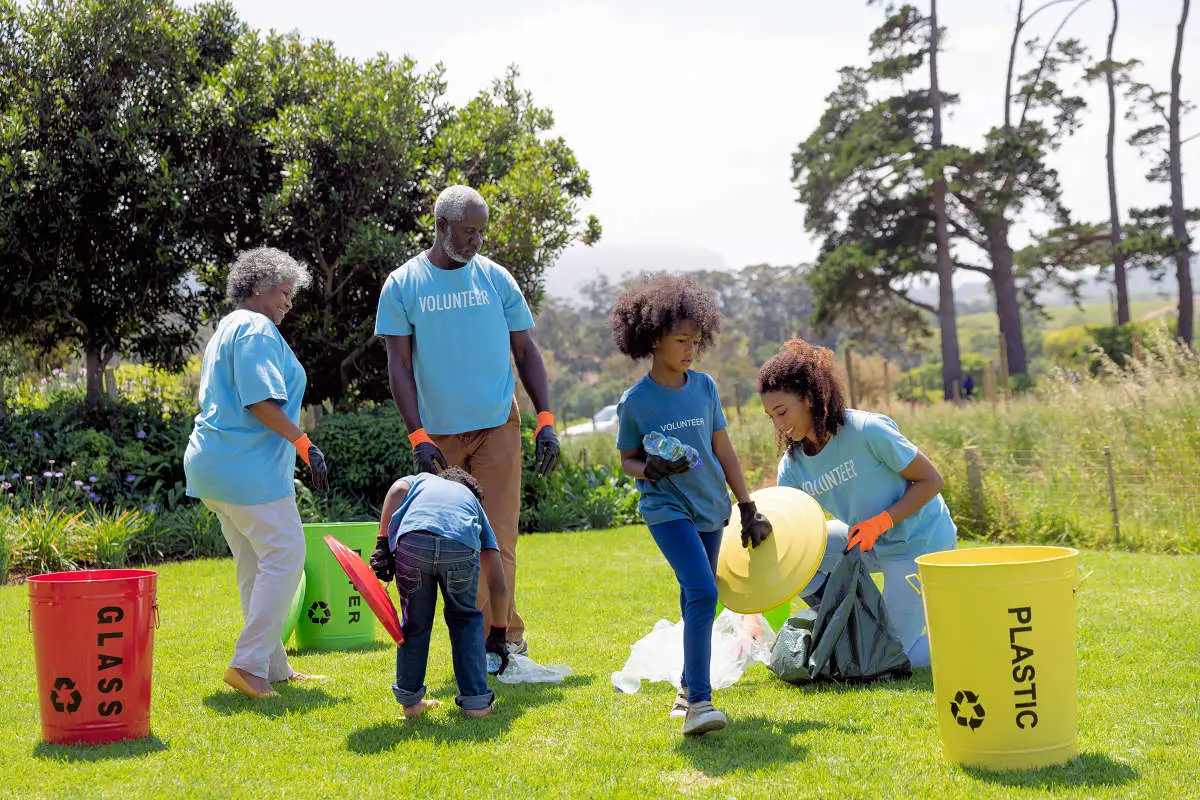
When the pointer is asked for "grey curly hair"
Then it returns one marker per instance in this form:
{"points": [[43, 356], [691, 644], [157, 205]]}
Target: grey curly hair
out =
{"points": [[453, 202], [263, 268]]}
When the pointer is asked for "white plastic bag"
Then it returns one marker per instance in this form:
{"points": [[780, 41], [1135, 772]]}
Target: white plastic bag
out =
{"points": [[523, 669], [658, 656]]}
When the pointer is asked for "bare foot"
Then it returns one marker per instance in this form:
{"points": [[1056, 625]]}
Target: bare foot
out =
{"points": [[417, 709], [477, 713], [301, 677], [248, 683]]}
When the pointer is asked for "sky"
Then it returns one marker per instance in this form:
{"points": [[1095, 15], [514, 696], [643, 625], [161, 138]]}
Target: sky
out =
{"points": [[686, 114]]}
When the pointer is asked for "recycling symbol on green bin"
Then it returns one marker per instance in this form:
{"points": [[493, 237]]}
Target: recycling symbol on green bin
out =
{"points": [[64, 696], [318, 613], [966, 709]]}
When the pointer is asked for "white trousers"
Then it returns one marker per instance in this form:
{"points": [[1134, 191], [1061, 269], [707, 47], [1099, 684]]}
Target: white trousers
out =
{"points": [[267, 541]]}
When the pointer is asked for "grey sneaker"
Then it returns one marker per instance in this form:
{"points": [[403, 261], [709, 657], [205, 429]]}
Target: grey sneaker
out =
{"points": [[702, 718], [518, 648], [680, 707]]}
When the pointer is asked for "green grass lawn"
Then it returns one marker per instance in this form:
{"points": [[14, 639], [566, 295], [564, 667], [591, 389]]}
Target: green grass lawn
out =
{"points": [[587, 597]]}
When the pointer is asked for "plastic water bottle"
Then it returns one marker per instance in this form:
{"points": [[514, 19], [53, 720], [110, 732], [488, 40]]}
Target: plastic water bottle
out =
{"points": [[493, 663], [670, 448]]}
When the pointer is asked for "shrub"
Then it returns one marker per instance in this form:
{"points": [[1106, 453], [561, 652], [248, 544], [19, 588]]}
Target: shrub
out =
{"points": [[366, 451]]}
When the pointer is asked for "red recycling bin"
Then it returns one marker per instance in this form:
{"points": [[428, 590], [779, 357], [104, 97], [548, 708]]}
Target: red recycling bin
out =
{"points": [[93, 639]]}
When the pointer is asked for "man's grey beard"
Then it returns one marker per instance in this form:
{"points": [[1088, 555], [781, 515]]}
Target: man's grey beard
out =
{"points": [[450, 252]]}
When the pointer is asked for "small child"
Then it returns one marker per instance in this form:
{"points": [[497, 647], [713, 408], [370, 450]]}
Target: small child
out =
{"points": [[862, 470], [671, 320], [433, 533]]}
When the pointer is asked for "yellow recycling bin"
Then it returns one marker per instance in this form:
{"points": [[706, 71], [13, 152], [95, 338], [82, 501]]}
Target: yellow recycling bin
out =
{"points": [[1002, 643], [752, 581]]}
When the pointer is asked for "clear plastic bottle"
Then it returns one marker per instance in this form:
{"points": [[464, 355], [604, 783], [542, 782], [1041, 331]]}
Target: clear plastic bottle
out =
{"points": [[670, 448], [493, 663]]}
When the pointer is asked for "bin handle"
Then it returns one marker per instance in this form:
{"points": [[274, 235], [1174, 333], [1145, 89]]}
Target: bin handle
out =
{"points": [[29, 619], [157, 619], [914, 584], [1086, 575]]}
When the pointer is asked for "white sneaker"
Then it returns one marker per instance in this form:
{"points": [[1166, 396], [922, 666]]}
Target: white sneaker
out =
{"points": [[702, 718], [679, 708], [518, 648]]}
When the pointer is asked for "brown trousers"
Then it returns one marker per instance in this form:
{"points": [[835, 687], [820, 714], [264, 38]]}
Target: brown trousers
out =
{"points": [[493, 457]]}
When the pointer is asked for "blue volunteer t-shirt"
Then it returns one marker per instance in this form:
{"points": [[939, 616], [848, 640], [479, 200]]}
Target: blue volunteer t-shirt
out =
{"points": [[460, 320], [692, 414], [444, 507], [857, 475], [231, 456]]}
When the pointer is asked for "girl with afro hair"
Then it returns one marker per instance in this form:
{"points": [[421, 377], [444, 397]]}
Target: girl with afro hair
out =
{"points": [[670, 320], [863, 471]]}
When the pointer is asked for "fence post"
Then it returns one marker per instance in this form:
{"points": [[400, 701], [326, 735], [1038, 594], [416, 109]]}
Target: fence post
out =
{"points": [[850, 377], [989, 384], [1112, 493], [887, 384], [1004, 368], [975, 482], [592, 416], [583, 458]]}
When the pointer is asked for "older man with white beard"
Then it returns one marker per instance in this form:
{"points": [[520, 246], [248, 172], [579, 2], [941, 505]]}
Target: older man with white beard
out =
{"points": [[451, 318]]}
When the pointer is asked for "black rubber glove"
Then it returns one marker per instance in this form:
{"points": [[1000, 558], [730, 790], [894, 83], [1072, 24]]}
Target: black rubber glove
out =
{"points": [[311, 455], [429, 458], [320, 473], [545, 453], [497, 643], [658, 467], [383, 563], [755, 527]]}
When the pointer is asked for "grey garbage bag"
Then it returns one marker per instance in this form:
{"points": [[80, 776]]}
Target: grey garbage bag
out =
{"points": [[847, 637]]}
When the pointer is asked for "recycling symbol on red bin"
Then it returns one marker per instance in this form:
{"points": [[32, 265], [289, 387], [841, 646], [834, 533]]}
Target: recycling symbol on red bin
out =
{"points": [[966, 709], [64, 696], [318, 613]]}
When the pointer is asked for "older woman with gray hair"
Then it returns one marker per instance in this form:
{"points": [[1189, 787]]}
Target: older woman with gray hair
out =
{"points": [[242, 453]]}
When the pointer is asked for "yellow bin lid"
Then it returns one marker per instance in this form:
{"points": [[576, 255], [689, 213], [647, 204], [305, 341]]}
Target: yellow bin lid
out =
{"points": [[750, 581]]}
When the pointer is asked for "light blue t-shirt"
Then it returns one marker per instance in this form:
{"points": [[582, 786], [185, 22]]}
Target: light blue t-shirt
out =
{"points": [[857, 475], [692, 414], [444, 507], [460, 320], [231, 456]]}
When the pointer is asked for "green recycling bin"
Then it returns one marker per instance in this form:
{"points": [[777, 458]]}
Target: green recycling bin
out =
{"points": [[334, 615]]}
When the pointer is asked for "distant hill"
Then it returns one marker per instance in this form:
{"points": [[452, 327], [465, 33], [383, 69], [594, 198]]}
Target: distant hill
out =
{"points": [[579, 265]]}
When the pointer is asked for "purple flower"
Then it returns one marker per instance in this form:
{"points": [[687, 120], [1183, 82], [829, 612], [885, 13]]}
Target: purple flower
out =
{"points": [[5, 486], [29, 479], [56, 372], [47, 474], [130, 478], [92, 479], [150, 509], [78, 484], [93, 497], [58, 474], [37, 435], [141, 434], [15, 475], [52, 462]]}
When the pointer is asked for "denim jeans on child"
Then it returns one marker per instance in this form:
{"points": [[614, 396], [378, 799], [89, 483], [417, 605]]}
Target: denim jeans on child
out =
{"points": [[425, 562], [693, 556]]}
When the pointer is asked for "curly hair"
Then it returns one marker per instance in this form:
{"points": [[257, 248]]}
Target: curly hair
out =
{"points": [[264, 268], [460, 475], [645, 313], [810, 373]]}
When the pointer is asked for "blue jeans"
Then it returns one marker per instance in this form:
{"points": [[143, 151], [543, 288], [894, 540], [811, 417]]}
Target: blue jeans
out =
{"points": [[904, 606], [425, 562], [693, 556]]}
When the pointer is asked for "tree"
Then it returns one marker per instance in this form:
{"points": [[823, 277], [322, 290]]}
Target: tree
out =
{"points": [[1114, 210], [951, 366], [1183, 270], [95, 248], [1009, 173], [869, 175], [1163, 232], [533, 184]]}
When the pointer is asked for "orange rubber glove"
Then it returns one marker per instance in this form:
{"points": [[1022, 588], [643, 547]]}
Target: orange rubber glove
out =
{"points": [[866, 532]]}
